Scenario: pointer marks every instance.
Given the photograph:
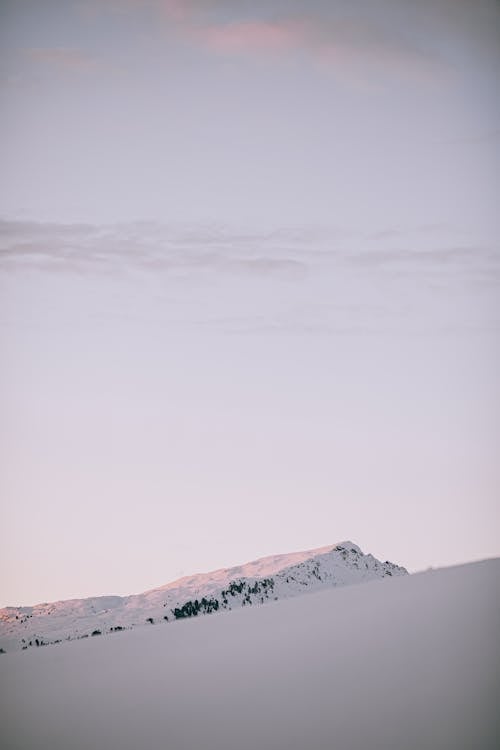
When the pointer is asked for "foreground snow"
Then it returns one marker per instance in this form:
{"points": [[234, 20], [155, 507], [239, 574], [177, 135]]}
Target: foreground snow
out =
{"points": [[409, 663], [257, 582]]}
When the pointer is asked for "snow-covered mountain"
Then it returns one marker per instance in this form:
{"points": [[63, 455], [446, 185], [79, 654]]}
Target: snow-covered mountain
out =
{"points": [[267, 579]]}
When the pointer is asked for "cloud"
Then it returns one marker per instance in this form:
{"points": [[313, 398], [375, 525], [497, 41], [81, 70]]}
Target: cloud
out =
{"points": [[64, 58], [145, 247], [250, 37], [368, 48], [341, 42], [370, 42], [179, 10], [284, 254], [368, 36], [354, 42], [289, 281]]}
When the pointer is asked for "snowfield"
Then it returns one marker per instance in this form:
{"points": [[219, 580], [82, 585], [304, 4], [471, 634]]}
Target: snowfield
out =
{"points": [[404, 663]]}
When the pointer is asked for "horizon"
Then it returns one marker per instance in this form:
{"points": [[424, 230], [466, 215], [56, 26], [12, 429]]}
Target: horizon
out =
{"points": [[238, 564]]}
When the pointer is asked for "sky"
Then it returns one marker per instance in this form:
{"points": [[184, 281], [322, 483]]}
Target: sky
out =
{"points": [[249, 286]]}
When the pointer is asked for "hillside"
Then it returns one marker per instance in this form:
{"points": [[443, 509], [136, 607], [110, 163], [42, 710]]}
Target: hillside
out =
{"points": [[409, 663]]}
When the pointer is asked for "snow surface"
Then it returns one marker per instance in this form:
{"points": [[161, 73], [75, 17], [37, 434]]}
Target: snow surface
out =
{"points": [[408, 663], [257, 582]]}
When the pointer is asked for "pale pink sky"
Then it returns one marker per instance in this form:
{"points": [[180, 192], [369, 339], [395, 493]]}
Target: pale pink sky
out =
{"points": [[249, 284]]}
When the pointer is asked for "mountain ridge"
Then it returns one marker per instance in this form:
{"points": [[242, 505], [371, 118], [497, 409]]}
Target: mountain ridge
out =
{"points": [[256, 582]]}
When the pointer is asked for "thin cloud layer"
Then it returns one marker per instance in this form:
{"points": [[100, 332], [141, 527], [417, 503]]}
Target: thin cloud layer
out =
{"points": [[84, 248], [288, 254], [64, 58], [336, 42]]}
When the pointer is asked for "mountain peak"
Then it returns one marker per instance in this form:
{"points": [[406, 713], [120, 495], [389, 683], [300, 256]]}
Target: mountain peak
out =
{"points": [[348, 545]]}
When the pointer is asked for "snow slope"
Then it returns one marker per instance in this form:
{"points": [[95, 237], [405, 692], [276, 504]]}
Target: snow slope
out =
{"points": [[267, 579], [409, 663]]}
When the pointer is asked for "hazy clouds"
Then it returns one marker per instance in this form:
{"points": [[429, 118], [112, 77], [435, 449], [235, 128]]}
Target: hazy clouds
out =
{"points": [[326, 279]]}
